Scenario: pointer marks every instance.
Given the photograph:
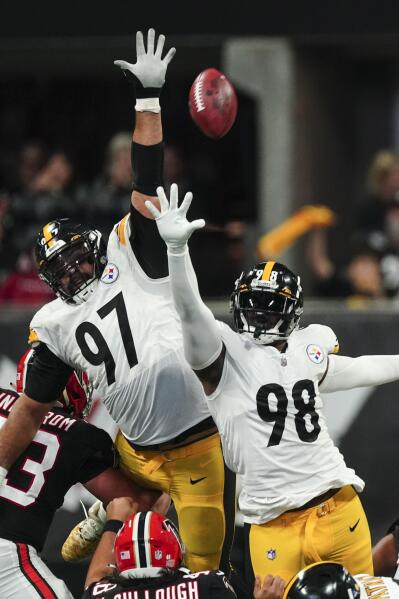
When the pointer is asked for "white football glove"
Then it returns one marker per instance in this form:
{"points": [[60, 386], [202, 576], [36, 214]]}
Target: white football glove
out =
{"points": [[150, 69], [173, 226]]}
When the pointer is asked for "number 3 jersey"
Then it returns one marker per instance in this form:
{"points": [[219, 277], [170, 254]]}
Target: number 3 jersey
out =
{"points": [[128, 339], [268, 410], [64, 451]]}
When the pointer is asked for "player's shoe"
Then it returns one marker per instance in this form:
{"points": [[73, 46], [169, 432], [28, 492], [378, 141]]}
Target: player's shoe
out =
{"points": [[84, 538]]}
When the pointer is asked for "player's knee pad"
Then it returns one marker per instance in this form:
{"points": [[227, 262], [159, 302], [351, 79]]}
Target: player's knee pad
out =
{"points": [[202, 529]]}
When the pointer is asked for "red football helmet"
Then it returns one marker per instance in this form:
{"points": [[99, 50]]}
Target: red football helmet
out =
{"points": [[146, 545], [76, 397]]}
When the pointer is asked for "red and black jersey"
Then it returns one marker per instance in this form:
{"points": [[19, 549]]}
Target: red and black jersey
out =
{"points": [[180, 585], [64, 451]]}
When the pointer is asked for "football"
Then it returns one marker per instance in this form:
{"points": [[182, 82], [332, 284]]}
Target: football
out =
{"points": [[213, 103]]}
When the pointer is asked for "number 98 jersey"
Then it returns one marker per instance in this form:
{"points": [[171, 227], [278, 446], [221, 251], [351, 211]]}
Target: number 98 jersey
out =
{"points": [[268, 410], [128, 339]]}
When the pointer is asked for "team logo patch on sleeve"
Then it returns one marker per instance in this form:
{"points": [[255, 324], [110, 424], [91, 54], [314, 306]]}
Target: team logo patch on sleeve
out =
{"points": [[315, 353], [110, 274]]}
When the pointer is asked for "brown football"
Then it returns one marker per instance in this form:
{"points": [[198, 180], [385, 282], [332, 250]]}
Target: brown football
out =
{"points": [[213, 103]]}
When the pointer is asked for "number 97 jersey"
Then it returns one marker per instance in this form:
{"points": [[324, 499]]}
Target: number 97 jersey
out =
{"points": [[127, 338], [268, 410]]}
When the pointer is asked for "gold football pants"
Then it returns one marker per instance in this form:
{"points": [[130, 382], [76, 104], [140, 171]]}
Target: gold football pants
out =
{"points": [[203, 493], [336, 530]]}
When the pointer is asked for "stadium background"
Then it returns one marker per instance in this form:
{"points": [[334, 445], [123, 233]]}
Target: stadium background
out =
{"points": [[318, 95]]}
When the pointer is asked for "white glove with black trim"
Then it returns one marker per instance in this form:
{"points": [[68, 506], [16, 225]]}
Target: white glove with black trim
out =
{"points": [[173, 226], [148, 73]]}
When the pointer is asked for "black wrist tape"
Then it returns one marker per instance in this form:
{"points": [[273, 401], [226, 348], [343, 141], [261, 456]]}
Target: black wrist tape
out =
{"points": [[139, 90], [148, 92], [147, 164], [113, 526]]}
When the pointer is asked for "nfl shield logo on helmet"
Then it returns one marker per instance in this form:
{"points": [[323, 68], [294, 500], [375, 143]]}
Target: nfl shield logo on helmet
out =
{"points": [[315, 353], [271, 554], [110, 274]]}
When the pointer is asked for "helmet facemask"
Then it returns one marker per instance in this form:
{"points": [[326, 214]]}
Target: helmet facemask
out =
{"points": [[266, 316], [267, 310], [74, 269]]}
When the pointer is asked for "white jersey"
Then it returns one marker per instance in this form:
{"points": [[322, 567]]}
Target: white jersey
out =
{"points": [[127, 337], [267, 408], [377, 586]]}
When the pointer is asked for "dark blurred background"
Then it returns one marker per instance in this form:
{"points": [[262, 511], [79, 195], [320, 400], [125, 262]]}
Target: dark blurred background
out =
{"points": [[330, 72]]}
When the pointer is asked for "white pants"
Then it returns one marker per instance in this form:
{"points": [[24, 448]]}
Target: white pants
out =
{"points": [[23, 575]]}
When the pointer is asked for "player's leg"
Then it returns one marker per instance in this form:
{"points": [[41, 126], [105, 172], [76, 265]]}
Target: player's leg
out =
{"points": [[274, 547], [24, 575], [343, 534], [203, 491], [144, 467]]}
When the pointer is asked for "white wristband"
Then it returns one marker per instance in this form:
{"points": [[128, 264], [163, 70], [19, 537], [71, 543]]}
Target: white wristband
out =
{"points": [[3, 474], [147, 105]]}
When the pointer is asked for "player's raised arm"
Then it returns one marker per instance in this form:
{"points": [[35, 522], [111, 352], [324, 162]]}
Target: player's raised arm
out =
{"points": [[203, 346], [148, 77], [365, 371]]}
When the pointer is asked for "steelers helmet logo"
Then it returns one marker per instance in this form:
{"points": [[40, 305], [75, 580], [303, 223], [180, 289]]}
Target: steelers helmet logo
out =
{"points": [[315, 353], [110, 274]]}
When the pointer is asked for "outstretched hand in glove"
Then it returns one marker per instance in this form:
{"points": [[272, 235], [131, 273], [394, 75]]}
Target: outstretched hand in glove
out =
{"points": [[172, 223], [150, 68]]}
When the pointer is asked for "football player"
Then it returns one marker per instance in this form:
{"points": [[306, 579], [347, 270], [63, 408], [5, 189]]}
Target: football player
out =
{"points": [[330, 580], [141, 556], [386, 553], [64, 451], [114, 318], [263, 381]]}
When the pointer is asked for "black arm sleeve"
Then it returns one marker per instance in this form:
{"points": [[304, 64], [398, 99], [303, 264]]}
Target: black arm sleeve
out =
{"points": [[147, 165], [97, 452], [47, 376], [148, 246]]}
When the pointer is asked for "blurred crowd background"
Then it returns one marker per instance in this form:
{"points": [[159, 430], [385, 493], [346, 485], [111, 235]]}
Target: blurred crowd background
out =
{"points": [[320, 192]]}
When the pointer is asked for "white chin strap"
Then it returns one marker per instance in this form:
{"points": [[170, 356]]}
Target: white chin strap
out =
{"points": [[82, 296], [264, 338]]}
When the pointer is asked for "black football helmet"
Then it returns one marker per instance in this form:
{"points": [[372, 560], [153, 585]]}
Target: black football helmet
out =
{"points": [[323, 580], [267, 302], [61, 247]]}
